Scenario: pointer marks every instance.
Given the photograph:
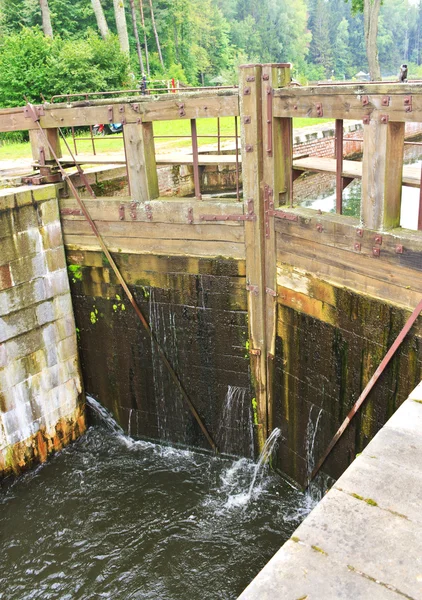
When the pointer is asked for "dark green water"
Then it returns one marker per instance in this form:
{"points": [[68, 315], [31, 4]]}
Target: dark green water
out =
{"points": [[110, 518]]}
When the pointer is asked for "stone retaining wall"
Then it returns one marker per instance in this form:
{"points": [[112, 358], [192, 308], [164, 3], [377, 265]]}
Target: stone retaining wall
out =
{"points": [[41, 400]]}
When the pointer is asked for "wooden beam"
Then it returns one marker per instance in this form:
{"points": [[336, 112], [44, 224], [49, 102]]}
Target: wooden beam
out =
{"points": [[39, 147], [382, 171], [339, 166], [277, 136], [140, 154], [250, 97]]}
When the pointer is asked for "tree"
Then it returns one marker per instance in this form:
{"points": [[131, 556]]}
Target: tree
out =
{"points": [[120, 16], [156, 34], [46, 18], [101, 20], [136, 34], [341, 49], [141, 8], [320, 48], [371, 11]]}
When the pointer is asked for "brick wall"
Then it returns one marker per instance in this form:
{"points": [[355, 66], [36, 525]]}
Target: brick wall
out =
{"points": [[41, 406]]}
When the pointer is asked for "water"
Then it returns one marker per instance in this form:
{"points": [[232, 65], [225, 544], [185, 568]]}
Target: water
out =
{"points": [[326, 199], [113, 518], [311, 435], [236, 422]]}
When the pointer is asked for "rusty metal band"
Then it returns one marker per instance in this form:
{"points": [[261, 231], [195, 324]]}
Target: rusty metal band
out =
{"points": [[367, 389], [124, 285]]}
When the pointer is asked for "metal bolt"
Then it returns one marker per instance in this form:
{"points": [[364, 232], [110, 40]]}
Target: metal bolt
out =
{"points": [[376, 251], [359, 232], [265, 77], [378, 239], [247, 91], [399, 249], [357, 246], [249, 148], [319, 228]]}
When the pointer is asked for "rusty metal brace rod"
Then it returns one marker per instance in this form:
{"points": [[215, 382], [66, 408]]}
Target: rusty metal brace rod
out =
{"points": [[367, 389], [81, 172], [124, 285]]}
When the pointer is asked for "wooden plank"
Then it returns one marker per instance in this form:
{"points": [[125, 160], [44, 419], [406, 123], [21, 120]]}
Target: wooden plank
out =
{"points": [[351, 169], [353, 89], [382, 168], [346, 103], [140, 155], [343, 234], [142, 231], [356, 263], [168, 210], [158, 247], [344, 277], [250, 96], [161, 159]]}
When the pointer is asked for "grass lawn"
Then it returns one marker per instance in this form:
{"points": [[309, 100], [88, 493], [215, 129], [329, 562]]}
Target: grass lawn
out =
{"points": [[109, 143]]}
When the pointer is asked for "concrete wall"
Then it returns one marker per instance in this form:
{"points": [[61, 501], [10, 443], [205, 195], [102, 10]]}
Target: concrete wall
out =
{"points": [[41, 400]]}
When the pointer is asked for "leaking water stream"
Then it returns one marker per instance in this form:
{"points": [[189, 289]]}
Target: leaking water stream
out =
{"points": [[114, 518]]}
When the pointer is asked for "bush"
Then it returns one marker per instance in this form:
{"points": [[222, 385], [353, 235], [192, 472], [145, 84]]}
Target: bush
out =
{"points": [[32, 64]]}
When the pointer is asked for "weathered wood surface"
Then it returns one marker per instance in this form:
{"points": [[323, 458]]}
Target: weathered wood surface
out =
{"points": [[346, 102], [167, 210], [330, 254], [177, 107], [141, 166], [351, 169], [382, 168], [252, 159], [166, 247]]}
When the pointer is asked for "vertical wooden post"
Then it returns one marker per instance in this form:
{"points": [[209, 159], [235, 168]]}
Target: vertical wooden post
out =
{"points": [[339, 166], [196, 173], [383, 144], [277, 136], [250, 85], [420, 206], [140, 156], [39, 147]]}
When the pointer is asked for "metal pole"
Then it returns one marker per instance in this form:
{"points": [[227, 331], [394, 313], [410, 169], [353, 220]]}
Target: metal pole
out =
{"points": [[127, 169], [196, 177], [368, 388], [218, 136], [124, 285], [339, 166]]}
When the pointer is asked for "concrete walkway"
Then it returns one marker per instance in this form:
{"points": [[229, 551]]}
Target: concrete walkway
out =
{"points": [[364, 539]]}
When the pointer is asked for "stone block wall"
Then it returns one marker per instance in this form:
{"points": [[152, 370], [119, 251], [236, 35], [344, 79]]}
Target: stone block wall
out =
{"points": [[197, 309], [41, 399]]}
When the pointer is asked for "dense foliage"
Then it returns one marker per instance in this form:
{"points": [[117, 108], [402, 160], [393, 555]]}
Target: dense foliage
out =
{"points": [[202, 41]]}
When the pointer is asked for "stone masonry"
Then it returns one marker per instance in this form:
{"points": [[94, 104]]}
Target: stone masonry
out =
{"points": [[41, 399]]}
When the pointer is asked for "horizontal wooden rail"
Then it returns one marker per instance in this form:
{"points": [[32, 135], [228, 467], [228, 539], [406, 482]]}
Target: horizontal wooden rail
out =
{"points": [[130, 110]]}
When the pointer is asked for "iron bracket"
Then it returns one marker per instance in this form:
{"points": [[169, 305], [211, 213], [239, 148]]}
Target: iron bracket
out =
{"points": [[253, 289], [122, 212], [33, 112], [110, 114], [190, 216], [268, 206], [269, 121], [319, 109], [280, 214], [408, 104], [248, 217], [74, 212], [271, 292], [255, 352]]}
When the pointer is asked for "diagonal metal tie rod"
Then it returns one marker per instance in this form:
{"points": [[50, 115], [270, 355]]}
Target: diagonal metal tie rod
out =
{"points": [[173, 374], [367, 389]]}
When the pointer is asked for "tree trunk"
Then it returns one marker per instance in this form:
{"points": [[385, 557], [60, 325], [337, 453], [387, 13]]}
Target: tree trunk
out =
{"points": [[46, 18], [101, 20], [141, 8], [371, 12], [136, 34], [156, 34], [120, 16]]}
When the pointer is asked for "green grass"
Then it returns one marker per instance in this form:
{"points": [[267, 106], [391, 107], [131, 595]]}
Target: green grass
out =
{"points": [[109, 143]]}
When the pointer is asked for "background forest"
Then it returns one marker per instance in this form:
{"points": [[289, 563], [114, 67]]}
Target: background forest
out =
{"points": [[195, 41]]}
